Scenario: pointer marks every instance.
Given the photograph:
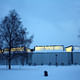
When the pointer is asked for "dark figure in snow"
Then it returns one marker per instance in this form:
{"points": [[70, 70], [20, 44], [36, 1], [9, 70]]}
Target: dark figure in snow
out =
{"points": [[45, 73]]}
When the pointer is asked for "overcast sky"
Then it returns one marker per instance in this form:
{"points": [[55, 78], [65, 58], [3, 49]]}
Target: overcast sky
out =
{"points": [[50, 21]]}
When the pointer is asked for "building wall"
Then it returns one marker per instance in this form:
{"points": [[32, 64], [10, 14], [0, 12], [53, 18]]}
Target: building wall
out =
{"points": [[55, 58], [41, 58], [76, 58]]}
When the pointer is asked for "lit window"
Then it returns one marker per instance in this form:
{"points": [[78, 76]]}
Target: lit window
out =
{"points": [[68, 49]]}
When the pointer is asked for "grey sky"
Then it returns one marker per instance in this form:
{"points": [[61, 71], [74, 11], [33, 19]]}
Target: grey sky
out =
{"points": [[50, 21]]}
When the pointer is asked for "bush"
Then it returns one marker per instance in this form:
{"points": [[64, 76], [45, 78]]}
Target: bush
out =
{"points": [[62, 63], [49, 63], [34, 64], [29, 63], [75, 63], [41, 63]]}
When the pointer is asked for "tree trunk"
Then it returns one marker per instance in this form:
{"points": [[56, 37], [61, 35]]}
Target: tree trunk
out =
{"points": [[9, 66], [9, 60]]}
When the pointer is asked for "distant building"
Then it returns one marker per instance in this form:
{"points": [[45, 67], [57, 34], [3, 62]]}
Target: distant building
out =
{"points": [[56, 48]]}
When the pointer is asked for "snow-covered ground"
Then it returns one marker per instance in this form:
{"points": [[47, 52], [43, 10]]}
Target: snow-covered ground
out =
{"points": [[37, 73]]}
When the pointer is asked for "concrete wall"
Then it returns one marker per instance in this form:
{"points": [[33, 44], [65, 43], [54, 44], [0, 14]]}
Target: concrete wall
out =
{"points": [[47, 58], [76, 58], [55, 58]]}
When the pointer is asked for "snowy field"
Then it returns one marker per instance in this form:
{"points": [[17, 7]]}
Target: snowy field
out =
{"points": [[37, 73]]}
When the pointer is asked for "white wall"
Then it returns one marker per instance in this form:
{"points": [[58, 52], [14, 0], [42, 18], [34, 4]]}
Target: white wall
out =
{"points": [[51, 58]]}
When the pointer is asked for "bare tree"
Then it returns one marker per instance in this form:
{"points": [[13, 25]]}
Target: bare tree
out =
{"points": [[0, 43], [13, 34]]}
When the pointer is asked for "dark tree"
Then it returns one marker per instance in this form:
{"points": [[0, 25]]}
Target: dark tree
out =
{"points": [[1, 43], [13, 34]]}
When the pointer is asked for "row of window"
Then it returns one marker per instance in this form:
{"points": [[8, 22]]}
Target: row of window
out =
{"points": [[57, 48], [44, 48], [15, 49]]}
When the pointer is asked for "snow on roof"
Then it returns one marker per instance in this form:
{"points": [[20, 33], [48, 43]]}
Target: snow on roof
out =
{"points": [[76, 49]]}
